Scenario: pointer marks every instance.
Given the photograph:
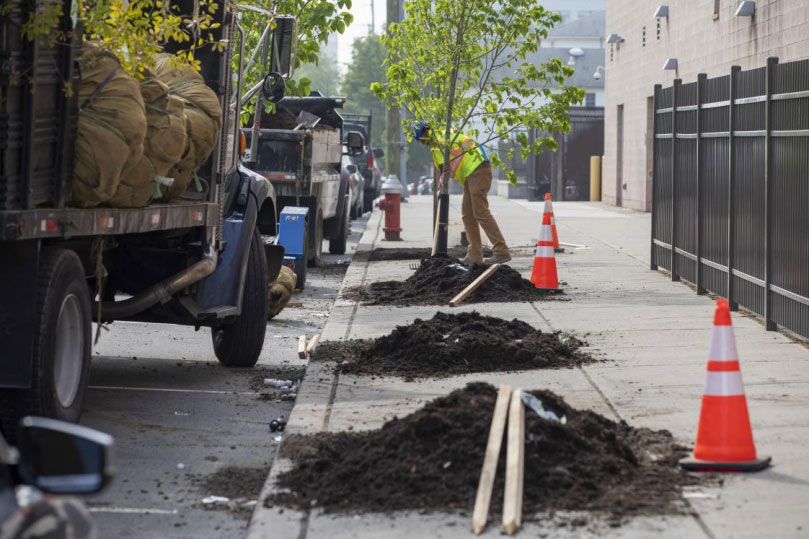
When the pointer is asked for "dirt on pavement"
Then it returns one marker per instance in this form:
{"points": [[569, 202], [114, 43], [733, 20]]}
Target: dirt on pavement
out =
{"points": [[430, 461], [440, 278], [452, 344]]}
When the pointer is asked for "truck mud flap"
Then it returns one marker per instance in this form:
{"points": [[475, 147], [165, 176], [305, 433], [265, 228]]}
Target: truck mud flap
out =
{"points": [[18, 311], [275, 259]]}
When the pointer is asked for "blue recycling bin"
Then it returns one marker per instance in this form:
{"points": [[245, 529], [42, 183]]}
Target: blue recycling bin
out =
{"points": [[293, 235]]}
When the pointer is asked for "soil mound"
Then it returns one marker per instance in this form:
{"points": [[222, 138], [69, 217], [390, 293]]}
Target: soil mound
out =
{"points": [[417, 253], [430, 460], [451, 344], [440, 278]]}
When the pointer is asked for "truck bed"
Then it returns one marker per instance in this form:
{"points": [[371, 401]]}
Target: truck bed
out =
{"points": [[46, 223]]}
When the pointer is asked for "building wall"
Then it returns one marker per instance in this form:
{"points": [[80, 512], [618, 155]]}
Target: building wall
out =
{"points": [[702, 42]]}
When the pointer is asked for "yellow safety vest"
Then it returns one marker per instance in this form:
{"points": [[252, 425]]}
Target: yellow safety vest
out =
{"points": [[464, 156]]}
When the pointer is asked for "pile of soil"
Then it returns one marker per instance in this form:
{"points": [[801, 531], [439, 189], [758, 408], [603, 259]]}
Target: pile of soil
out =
{"points": [[452, 344], [417, 253], [440, 278], [430, 461]]}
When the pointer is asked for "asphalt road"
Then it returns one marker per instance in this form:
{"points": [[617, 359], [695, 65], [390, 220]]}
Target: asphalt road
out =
{"points": [[186, 428]]}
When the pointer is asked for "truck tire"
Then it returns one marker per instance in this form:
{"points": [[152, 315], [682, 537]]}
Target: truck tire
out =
{"points": [[316, 242], [337, 246], [61, 362], [239, 343]]}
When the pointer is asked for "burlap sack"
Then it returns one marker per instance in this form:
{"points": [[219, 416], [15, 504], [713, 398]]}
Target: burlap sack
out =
{"points": [[137, 186], [203, 122], [165, 125], [280, 290], [111, 128]]}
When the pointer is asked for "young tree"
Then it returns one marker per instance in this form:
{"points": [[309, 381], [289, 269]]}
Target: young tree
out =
{"points": [[463, 67], [323, 77], [366, 68]]}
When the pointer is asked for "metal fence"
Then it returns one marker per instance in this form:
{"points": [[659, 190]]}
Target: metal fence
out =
{"points": [[730, 205]]}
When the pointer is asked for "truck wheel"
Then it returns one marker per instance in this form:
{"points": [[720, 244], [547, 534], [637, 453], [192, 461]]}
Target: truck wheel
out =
{"points": [[61, 362], [239, 343], [337, 246], [316, 242]]}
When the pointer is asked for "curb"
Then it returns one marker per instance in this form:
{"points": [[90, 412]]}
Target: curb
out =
{"points": [[312, 409]]}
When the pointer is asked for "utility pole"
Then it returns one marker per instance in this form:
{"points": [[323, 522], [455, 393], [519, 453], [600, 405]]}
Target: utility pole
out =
{"points": [[372, 27], [393, 152]]}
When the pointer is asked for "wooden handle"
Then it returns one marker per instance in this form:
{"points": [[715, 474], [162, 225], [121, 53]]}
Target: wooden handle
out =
{"points": [[484, 496], [515, 462], [482, 278], [435, 234], [302, 347]]}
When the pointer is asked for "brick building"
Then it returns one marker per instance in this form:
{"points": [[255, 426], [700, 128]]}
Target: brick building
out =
{"points": [[692, 37]]}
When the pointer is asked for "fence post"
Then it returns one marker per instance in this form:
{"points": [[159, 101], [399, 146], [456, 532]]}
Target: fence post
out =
{"points": [[768, 190], [701, 78], [655, 103], [674, 194], [734, 75]]}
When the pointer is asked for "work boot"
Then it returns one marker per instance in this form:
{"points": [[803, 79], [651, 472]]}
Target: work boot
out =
{"points": [[468, 260], [497, 259]]}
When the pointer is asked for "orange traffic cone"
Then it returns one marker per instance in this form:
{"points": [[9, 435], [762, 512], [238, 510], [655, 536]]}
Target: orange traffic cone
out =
{"points": [[544, 274], [724, 437], [549, 210]]}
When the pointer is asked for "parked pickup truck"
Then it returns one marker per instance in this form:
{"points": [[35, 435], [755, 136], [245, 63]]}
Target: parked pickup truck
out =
{"points": [[192, 262], [366, 160], [299, 150]]}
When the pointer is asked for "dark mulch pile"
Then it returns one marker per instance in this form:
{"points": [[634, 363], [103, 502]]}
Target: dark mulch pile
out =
{"points": [[451, 344], [430, 460], [440, 278], [417, 253]]}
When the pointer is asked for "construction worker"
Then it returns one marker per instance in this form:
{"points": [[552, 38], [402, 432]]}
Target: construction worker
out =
{"points": [[469, 166]]}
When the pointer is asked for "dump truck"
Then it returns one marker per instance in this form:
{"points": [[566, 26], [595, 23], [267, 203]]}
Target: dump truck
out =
{"points": [[200, 261], [299, 149]]}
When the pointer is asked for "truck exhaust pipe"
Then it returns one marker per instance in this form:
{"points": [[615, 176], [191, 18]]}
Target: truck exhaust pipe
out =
{"points": [[157, 293]]}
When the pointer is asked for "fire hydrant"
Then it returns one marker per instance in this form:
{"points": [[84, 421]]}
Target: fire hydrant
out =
{"points": [[392, 205]]}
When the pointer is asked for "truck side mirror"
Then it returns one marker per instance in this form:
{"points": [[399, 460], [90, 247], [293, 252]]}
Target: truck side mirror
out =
{"points": [[379, 152], [273, 88], [355, 143], [63, 458], [284, 46]]}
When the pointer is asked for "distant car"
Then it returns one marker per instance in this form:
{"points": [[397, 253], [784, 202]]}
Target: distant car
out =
{"points": [[425, 185], [356, 184]]}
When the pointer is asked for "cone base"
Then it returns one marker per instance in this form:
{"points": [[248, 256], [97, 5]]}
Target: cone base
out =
{"points": [[558, 249], [693, 465], [557, 290]]}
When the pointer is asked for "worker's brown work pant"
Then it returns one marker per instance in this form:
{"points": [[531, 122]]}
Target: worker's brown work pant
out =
{"points": [[476, 215]]}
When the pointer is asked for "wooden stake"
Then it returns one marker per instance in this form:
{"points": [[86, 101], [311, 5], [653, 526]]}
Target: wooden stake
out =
{"points": [[515, 462], [435, 235], [484, 496], [466, 292], [573, 245], [302, 347], [310, 348]]}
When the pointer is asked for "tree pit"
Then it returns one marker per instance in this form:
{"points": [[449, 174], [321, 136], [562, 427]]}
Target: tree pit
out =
{"points": [[440, 278], [430, 461], [453, 344]]}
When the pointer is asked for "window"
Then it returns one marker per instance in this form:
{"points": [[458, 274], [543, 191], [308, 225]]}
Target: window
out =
{"points": [[643, 40], [590, 100], [658, 29], [586, 13], [565, 16], [715, 9]]}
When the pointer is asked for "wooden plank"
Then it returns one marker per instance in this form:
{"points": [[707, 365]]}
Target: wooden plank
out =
{"points": [[474, 285], [573, 245], [515, 462], [484, 496], [310, 348], [302, 347]]}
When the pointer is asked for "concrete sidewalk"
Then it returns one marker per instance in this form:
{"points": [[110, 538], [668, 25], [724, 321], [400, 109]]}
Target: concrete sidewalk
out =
{"points": [[653, 336]]}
